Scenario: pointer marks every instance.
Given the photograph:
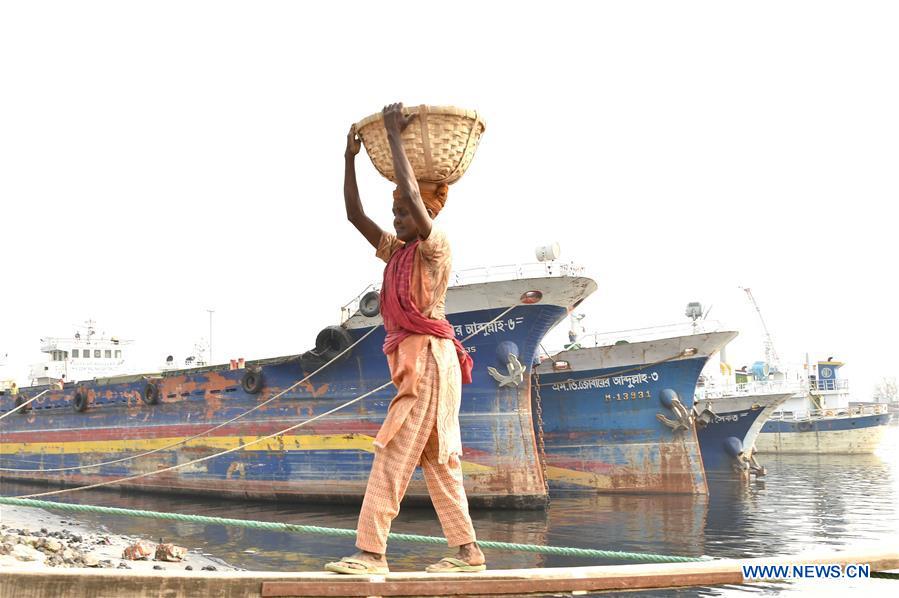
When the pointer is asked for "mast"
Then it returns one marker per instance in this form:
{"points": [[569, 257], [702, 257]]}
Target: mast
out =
{"points": [[770, 353]]}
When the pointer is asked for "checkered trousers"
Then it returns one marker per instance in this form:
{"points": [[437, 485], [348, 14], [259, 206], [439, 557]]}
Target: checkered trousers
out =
{"points": [[414, 444]]}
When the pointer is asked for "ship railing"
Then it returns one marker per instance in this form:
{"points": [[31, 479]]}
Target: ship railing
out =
{"points": [[607, 338], [553, 269], [515, 272], [755, 387], [347, 311], [828, 384], [852, 411]]}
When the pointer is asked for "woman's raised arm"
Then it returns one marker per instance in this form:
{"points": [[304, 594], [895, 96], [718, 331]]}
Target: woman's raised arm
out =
{"points": [[395, 122], [354, 212]]}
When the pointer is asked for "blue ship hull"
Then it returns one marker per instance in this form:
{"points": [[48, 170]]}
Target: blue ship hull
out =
{"points": [[727, 428], [327, 460], [716, 440], [835, 424], [847, 434], [601, 425]]}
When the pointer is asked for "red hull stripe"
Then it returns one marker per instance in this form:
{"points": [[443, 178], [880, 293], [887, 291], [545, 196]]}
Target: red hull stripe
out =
{"points": [[248, 429]]}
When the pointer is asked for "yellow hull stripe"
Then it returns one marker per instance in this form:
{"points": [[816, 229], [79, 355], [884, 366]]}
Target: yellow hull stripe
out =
{"points": [[302, 442], [581, 478]]}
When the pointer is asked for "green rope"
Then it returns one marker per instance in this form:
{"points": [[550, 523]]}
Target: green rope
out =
{"points": [[331, 531]]}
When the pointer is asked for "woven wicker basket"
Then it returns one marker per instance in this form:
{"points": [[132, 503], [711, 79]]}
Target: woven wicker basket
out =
{"points": [[440, 142]]}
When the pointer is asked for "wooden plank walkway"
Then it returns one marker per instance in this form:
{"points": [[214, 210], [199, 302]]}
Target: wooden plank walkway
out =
{"points": [[118, 583]]}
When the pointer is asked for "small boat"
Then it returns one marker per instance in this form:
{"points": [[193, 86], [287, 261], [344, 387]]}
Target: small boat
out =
{"points": [[728, 421], [821, 419], [730, 409], [617, 417]]}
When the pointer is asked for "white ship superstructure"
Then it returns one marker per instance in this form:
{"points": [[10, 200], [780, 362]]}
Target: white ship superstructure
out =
{"points": [[821, 418], [84, 356]]}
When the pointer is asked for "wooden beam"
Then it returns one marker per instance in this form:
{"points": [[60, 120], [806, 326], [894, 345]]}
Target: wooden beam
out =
{"points": [[65, 583], [567, 579]]}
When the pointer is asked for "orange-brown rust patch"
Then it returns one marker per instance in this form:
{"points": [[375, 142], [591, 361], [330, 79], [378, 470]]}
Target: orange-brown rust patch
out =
{"points": [[315, 392], [182, 385], [676, 467]]}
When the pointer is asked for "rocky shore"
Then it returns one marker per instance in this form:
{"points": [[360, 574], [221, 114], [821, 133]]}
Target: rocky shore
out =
{"points": [[34, 538]]}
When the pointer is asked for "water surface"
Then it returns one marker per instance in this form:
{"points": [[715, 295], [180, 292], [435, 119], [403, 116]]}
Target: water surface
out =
{"points": [[805, 503]]}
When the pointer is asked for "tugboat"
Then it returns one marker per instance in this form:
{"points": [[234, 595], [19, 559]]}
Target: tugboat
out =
{"points": [[821, 420], [730, 411]]}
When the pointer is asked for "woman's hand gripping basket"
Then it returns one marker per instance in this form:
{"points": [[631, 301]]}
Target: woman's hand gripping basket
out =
{"points": [[440, 142]]}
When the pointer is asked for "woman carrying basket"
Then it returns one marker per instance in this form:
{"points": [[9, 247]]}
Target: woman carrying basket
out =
{"points": [[427, 363]]}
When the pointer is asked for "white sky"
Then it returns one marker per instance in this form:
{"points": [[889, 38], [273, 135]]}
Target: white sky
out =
{"points": [[159, 158]]}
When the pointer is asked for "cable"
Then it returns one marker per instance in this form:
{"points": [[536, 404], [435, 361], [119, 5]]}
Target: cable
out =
{"points": [[258, 440], [34, 398], [214, 428]]}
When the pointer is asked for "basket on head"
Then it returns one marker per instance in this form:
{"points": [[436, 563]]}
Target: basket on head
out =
{"points": [[440, 142]]}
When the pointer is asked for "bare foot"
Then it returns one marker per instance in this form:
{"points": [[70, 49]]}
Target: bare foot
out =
{"points": [[469, 558], [378, 560], [471, 554]]}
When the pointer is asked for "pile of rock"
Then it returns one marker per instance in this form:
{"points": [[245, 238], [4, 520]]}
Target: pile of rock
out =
{"points": [[52, 542], [55, 549]]}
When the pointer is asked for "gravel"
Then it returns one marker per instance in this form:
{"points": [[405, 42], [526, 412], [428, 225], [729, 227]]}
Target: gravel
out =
{"points": [[34, 538]]}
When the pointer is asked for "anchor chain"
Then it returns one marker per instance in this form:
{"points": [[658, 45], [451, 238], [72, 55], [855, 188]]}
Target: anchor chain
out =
{"points": [[541, 446]]}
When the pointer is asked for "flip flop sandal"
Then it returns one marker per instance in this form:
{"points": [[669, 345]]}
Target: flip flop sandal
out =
{"points": [[458, 566], [343, 566]]}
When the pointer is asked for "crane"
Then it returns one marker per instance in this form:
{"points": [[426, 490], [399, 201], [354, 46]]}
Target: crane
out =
{"points": [[770, 353]]}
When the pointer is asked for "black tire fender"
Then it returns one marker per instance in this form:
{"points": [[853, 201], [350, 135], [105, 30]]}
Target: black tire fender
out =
{"points": [[332, 341], [19, 400], [370, 304], [251, 382], [79, 402], [150, 395]]}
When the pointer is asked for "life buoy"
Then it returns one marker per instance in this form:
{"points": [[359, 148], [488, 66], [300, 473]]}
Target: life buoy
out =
{"points": [[151, 394], [370, 304], [19, 400], [79, 403], [828, 413], [252, 381]]}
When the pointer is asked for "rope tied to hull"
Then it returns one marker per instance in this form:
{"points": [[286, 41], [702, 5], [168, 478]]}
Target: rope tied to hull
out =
{"points": [[184, 441], [340, 532], [252, 442], [24, 404]]}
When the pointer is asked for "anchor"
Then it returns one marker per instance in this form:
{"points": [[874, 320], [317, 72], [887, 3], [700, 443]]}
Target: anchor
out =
{"points": [[507, 352], [683, 419]]}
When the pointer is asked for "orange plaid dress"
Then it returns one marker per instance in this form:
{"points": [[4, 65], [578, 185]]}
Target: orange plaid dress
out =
{"points": [[422, 423]]}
